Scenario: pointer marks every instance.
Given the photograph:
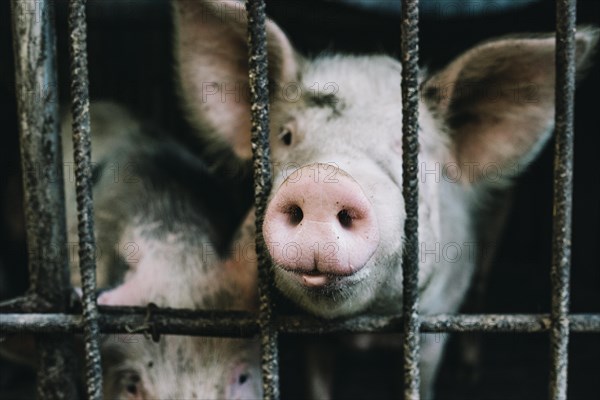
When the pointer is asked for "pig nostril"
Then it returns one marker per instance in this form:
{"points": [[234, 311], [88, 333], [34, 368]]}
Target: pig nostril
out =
{"points": [[132, 389], [295, 214], [345, 218]]}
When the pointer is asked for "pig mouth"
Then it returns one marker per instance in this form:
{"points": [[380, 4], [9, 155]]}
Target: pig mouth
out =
{"points": [[317, 280]]}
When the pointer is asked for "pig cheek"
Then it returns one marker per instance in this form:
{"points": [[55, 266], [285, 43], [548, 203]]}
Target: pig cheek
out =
{"points": [[397, 146], [388, 205]]}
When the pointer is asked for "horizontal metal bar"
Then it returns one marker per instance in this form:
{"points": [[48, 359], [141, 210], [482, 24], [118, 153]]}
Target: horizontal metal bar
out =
{"points": [[32, 303], [244, 324]]}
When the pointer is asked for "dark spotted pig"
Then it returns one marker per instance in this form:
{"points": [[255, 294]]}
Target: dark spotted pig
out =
{"points": [[161, 241]]}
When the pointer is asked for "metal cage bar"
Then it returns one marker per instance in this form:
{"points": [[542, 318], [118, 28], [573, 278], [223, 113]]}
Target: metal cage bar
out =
{"points": [[259, 89], [563, 196], [34, 45], [410, 191], [80, 107], [35, 69], [243, 324]]}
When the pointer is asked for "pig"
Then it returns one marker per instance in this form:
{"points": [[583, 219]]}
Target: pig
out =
{"points": [[335, 217], [160, 242]]}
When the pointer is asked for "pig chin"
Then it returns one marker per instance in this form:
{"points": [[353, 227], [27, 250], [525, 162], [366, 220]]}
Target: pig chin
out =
{"points": [[337, 295]]}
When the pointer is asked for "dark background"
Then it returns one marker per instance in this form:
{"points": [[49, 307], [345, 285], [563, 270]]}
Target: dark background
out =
{"points": [[130, 62]]}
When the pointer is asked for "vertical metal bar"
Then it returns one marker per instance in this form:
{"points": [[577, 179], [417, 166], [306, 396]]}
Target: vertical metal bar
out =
{"points": [[259, 81], [83, 179], [410, 191], [563, 189], [36, 80], [41, 151]]}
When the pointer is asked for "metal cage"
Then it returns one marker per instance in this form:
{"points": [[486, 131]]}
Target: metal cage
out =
{"points": [[43, 310]]}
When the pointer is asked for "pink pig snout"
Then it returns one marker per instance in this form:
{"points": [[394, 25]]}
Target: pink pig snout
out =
{"points": [[320, 225]]}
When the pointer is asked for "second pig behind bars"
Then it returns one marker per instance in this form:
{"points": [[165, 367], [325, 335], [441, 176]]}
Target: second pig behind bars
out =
{"points": [[160, 240], [335, 219]]}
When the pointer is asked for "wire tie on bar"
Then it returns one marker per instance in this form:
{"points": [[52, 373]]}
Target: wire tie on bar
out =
{"points": [[148, 328]]}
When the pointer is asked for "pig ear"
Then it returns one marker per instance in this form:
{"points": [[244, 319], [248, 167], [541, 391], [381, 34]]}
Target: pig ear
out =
{"points": [[497, 101], [212, 57]]}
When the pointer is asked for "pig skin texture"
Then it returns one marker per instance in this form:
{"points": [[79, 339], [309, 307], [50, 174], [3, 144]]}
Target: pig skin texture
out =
{"points": [[354, 121], [155, 246]]}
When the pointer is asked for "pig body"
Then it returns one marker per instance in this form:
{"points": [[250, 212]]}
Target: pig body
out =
{"points": [[335, 219], [157, 242]]}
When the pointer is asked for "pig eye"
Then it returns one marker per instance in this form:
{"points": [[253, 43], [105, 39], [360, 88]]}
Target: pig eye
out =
{"points": [[243, 378], [241, 385], [132, 389], [97, 172], [285, 135], [131, 385]]}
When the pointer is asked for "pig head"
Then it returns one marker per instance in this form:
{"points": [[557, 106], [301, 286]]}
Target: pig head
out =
{"points": [[334, 223], [158, 242]]}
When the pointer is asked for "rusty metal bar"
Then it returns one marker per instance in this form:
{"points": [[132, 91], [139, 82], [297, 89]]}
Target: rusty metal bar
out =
{"points": [[410, 191], [243, 324], [259, 81], [41, 152], [80, 106], [563, 196], [34, 45]]}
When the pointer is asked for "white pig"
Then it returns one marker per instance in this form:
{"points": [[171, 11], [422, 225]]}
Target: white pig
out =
{"points": [[334, 224], [158, 241]]}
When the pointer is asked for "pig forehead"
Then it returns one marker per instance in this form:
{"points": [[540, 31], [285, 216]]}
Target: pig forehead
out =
{"points": [[357, 80], [369, 91], [366, 134], [174, 352], [199, 366]]}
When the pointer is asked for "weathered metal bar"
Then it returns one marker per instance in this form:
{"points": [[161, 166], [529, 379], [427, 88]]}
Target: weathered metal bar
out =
{"points": [[80, 105], [563, 192], [243, 324], [410, 191], [259, 89], [514, 323], [34, 45], [41, 154]]}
